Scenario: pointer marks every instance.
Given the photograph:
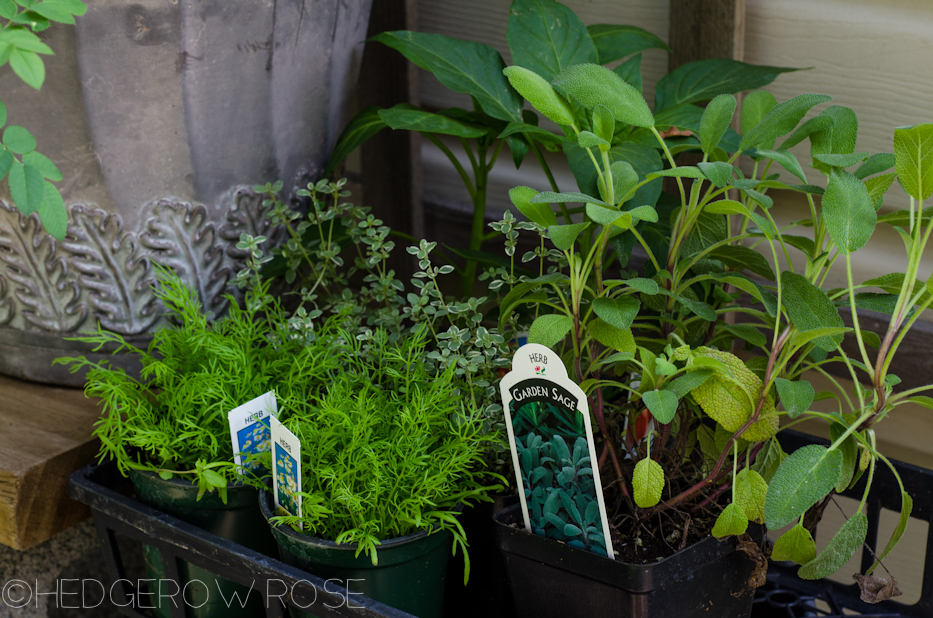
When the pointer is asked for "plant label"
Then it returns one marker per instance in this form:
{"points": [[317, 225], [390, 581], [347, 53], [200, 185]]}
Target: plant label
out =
{"points": [[286, 470], [249, 430], [553, 452]]}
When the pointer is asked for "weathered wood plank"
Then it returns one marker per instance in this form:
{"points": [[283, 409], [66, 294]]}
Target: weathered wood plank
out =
{"points": [[45, 435], [703, 29], [391, 161]]}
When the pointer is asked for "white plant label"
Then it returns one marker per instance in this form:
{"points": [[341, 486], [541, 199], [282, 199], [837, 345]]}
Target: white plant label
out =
{"points": [[286, 470], [553, 452], [249, 429]]}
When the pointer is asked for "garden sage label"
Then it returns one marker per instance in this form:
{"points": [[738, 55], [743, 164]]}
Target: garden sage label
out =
{"points": [[548, 421], [286, 470], [249, 430]]}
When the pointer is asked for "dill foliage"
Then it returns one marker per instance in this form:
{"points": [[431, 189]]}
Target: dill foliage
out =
{"points": [[173, 420], [388, 447]]}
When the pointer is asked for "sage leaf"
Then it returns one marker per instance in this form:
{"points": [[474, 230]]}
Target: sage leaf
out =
{"points": [[587, 139], [604, 216], [661, 404], [630, 71], [685, 383], [750, 493], [615, 42], [603, 123], [913, 159], [907, 506], [841, 548], [624, 179], [769, 459], [547, 37], [540, 93], [647, 483], [538, 213], [841, 160], [848, 211], [740, 257], [875, 164], [795, 395], [592, 85], [549, 197], [810, 308], [620, 312], [755, 105], [746, 332], [878, 186], [716, 118], [781, 119], [719, 173], [467, 67], [610, 336], [801, 481], [849, 450], [786, 160], [796, 545], [549, 330], [563, 236], [731, 521]]}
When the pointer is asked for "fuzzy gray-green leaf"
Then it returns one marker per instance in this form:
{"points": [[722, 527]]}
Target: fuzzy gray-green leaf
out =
{"points": [[796, 545], [715, 121], [620, 312], [782, 119], [549, 330], [795, 395], [801, 481], [810, 308], [547, 37], [662, 404], [540, 93], [848, 211], [563, 236], [841, 548], [542, 214], [913, 155], [592, 85]]}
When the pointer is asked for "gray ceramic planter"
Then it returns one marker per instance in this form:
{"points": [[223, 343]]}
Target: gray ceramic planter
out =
{"points": [[161, 114]]}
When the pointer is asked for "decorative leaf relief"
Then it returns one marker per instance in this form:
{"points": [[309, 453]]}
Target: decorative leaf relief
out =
{"points": [[45, 290], [7, 309], [117, 278], [182, 238], [247, 215]]}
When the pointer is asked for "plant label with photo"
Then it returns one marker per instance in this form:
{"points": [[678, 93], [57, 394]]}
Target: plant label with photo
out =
{"points": [[249, 430], [548, 422], [286, 469]]}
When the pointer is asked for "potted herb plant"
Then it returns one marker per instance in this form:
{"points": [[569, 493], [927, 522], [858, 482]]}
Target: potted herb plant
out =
{"points": [[168, 430], [658, 342], [389, 453]]}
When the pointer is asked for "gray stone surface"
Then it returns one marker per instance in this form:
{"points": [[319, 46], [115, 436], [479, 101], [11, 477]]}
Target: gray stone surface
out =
{"points": [[64, 563]]}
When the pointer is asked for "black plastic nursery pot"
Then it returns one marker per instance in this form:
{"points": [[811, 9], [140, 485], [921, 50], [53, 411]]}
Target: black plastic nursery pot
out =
{"points": [[551, 579], [410, 575], [239, 520]]}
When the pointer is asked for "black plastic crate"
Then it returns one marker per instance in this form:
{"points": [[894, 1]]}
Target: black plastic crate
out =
{"points": [[116, 514], [788, 596]]}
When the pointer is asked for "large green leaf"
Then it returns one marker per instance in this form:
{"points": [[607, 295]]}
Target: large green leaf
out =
{"points": [[740, 257], [795, 395], [837, 138], [542, 214], [704, 79], [755, 107], [630, 72], [43, 164], [809, 308], [28, 66], [875, 164], [661, 404], [463, 66], [549, 197], [848, 211], [592, 85], [801, 481], [27, 187], [682, 385], [796, 545], [811, 127], [732, 521], [913, 155], [610, 336], [715, 121], [547, 37], [549, 330], [785, 159], [615, 42], [841, 548], [563, 236], [540, 93], [413, 119], [782, 119], [362, 127], [850, 454], [52, 212], [620, 312], [18, 140]]}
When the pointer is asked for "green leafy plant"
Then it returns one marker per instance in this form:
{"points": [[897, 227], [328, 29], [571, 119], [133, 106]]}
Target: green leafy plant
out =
{"points": [[545, 39], [658, 342], [30, 174], [388, 447], [173, 419]]}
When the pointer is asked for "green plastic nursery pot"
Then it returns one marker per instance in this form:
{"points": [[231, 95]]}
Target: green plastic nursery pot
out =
{"points": [[410, 574], [239, 520]]}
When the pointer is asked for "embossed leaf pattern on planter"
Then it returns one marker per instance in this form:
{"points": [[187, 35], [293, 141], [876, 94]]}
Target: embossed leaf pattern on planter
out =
{"points": [[247, 215], [117, 276], [7, 309], [181, 238], [41, 285]]}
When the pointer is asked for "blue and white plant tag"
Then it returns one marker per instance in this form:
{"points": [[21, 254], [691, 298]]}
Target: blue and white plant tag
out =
{"points": [[548, 420], [286, 470], [249, 430]]}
